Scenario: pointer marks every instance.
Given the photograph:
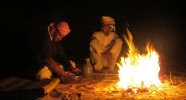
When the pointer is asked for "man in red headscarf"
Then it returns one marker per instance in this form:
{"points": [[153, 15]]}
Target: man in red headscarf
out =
{"points": [[51, 55]]}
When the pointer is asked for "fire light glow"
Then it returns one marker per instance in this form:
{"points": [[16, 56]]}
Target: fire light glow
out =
{"points": [[138, 70]]}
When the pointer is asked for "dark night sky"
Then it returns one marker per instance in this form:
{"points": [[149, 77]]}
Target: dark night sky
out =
{"points": [[162, 23]]}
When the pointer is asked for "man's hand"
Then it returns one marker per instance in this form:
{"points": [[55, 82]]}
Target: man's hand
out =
{"points": [[68, 74], [108, 55], [105, 53], [67, 77], [76, 70]]}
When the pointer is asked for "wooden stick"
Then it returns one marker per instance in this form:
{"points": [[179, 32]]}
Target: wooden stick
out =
{"points": [[49, 87]]}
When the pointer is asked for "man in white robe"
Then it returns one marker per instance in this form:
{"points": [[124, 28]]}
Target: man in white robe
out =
{"points": [[105, 46]]}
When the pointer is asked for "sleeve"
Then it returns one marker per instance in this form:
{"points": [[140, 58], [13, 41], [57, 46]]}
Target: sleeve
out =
{"points": [[64, 59], [95, 44]]}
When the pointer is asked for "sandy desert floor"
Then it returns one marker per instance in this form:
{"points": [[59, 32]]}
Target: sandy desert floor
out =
{"points": [[103, 87]]}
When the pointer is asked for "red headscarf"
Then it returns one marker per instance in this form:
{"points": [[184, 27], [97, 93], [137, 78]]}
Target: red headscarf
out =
{"points": [[63, 28]]}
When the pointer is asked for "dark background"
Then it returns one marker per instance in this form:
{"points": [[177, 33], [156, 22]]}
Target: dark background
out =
{"points": [[163, 23]]}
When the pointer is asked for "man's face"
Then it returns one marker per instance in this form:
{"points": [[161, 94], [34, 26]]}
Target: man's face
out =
{"points": [[107, 28], [58, 36]]}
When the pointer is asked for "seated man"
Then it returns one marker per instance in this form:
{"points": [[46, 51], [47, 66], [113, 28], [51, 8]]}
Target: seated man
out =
{"points": [[105, 46]]}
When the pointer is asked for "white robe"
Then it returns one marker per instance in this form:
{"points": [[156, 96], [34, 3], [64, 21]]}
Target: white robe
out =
{"points": [[100, 43]]}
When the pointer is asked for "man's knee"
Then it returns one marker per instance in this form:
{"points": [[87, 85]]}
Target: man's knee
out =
{"points": [[44, 73]]}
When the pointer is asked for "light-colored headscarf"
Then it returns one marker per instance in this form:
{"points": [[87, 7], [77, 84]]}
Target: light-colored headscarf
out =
{"points": [[108, 20]]}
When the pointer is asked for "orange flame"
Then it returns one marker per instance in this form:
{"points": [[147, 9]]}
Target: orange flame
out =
{"points": [[138, 70]]}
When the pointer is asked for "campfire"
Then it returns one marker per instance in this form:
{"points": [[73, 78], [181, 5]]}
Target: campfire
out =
{"points": [[138, 71]]}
